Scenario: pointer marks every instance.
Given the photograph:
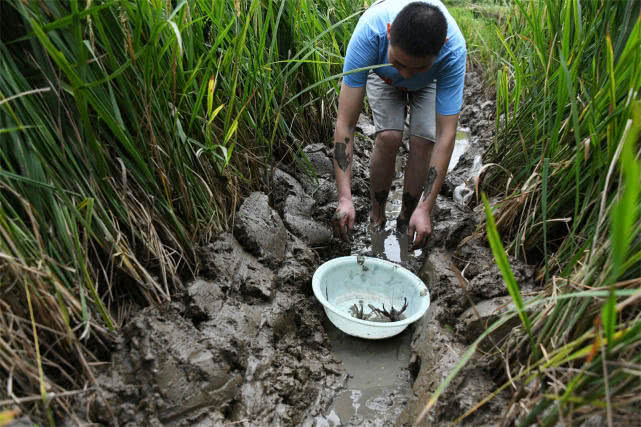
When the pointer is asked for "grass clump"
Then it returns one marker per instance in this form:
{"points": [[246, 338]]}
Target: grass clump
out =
{"points": [[568, 133], [479, 21], [569, 96], [128, 132]]}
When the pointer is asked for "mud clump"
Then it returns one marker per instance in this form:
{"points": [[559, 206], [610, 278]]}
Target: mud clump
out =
{"points": [[479, 111], [451, 224], [244, 343], [444, 286], [237, 271], [163, 372], [297, 208], [436, 351], [261, 230]]}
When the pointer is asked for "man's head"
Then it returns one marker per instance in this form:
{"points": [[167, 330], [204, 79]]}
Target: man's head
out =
{"points": [[416, 36]]}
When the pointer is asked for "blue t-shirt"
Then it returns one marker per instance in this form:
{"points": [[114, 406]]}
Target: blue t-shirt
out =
{"points": [[368, 46]]}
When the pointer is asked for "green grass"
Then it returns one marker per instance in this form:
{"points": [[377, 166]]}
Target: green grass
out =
{"points": [[568, 134], [575, 102], [128, 132], [479, 21]]}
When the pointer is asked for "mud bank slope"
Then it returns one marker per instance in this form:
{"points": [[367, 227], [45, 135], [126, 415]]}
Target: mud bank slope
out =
{"points": [[245, 342]]}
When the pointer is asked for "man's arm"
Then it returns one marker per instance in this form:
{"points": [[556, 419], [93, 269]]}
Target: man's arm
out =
{"points": [[350, 102], [420, 222]]}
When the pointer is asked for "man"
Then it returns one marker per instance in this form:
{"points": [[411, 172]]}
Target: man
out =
{"points": [[427, 53]]}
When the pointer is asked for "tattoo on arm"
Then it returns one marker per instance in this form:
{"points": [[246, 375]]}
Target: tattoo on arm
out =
{"points": [[340, 154], [381, 197], [409, 204], [429, 183]]}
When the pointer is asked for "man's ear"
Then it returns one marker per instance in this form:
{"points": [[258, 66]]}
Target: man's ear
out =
{"points": [[389, 31]]}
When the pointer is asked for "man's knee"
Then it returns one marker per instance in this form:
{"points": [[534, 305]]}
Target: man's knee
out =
{"points": [[389, 140], [420, 146]]}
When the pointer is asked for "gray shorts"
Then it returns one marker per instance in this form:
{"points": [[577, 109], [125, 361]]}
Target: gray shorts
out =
{"points": [[389, 107]]}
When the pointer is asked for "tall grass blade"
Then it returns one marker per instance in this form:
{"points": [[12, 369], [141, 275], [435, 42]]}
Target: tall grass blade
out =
{"points": [[544, 209], [506, 270]]}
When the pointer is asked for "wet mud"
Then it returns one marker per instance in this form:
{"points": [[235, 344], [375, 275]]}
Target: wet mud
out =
{"points": [[246, 342]]}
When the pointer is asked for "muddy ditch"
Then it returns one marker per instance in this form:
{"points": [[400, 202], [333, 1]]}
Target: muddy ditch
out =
{"points": [[247, 343]]}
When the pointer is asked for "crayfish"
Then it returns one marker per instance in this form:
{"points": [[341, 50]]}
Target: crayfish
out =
{"points": [[377, 314], [393, 314]]}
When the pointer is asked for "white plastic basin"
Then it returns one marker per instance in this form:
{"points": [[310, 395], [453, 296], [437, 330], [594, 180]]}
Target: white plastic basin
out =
{"points": [[342, 282]]}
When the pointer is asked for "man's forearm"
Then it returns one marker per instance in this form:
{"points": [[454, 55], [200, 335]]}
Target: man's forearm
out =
{"points": [[437, 169], [350, 102], [343, 155]]}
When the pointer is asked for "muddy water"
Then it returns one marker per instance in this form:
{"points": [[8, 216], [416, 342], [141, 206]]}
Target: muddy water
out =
{"points": [[461, 145], [379, 384], [379, 381]]}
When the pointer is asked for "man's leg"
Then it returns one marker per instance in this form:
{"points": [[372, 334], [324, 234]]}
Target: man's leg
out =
{"points": [[388, 105], [423, 135], [381, 172]]}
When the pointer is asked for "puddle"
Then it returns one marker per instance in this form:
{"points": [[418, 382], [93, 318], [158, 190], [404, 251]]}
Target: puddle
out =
{"points": [[379, 384], [395, 198], [391, 245], [461, 145]]}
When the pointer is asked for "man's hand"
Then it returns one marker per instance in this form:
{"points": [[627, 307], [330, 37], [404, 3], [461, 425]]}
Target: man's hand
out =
{"points": [[344, 218], [421, 226]]}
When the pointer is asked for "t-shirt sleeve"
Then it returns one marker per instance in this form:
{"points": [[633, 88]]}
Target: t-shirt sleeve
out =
{"points": [[362, 51], [449, 84]]}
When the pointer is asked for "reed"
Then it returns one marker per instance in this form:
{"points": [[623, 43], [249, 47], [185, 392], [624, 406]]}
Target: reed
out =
{"points": [[572, 98], [568, 131], [128, 132], [480, 22]]}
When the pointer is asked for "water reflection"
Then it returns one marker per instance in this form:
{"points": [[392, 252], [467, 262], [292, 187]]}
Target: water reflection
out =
{"points": [[391, 245]]}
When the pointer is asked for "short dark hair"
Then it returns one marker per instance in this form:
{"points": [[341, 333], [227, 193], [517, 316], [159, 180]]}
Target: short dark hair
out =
{"points": [[419, 29]]}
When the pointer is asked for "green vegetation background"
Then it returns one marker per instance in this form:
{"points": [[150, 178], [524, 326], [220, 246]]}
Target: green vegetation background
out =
{"points": [[130, 130]]}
